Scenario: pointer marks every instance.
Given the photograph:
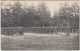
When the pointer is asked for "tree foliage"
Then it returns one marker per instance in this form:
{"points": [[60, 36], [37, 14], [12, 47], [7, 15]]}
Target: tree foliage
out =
{"points": [[16, 16]]}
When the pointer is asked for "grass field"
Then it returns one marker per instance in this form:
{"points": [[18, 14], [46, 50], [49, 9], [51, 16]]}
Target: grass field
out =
{"points": [[32, 41]]}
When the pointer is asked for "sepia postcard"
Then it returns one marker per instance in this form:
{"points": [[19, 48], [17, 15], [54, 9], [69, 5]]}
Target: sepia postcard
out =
{"points": [[40, 25]]}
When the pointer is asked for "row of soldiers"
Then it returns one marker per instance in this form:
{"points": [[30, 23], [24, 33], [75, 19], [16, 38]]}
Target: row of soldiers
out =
{"points": [[50, 30], [19, 31], [12, 32]]}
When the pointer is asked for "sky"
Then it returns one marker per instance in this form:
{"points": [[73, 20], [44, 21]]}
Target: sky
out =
{"points": [[52, 5]]}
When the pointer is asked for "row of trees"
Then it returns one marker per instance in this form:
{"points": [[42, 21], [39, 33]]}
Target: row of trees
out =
{"points": [[68, 16], [17, 16]]}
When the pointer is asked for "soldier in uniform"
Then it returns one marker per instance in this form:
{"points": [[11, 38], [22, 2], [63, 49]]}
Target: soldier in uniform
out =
{"points": [[21, 31]]}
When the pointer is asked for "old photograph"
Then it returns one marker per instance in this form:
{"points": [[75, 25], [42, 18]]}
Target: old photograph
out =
{"points": [[40, 25]]}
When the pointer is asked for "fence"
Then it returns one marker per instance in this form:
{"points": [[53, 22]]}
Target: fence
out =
{"points": [[21, 30]]}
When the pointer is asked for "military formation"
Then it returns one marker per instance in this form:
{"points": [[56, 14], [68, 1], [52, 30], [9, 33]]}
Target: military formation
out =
{"points": [[47, 30], [12, 31]]}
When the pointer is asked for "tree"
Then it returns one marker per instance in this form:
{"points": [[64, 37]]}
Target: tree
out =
{"points": [[17, 13], [68, 17], [6, 18], [12, 15], [44, 14], [31, 18]]}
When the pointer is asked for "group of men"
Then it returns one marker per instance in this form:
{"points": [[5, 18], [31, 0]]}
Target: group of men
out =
{"points": [[12, 32]]}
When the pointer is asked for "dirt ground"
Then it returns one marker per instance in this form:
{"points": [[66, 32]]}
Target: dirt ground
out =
{"points": [[32, 41]]}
